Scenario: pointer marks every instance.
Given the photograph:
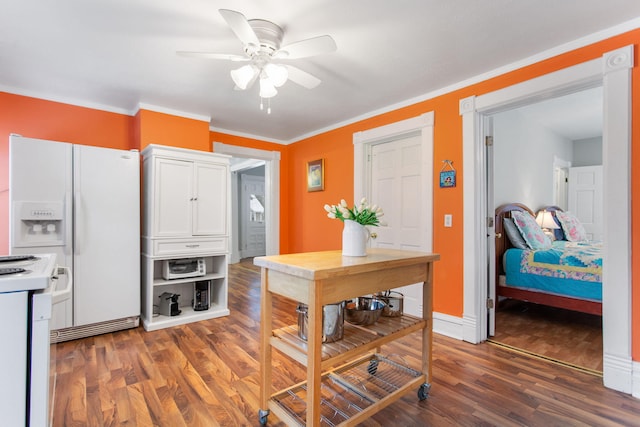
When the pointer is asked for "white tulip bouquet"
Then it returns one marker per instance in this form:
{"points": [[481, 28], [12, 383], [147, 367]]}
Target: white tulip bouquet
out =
{"points": [[363, 213]]}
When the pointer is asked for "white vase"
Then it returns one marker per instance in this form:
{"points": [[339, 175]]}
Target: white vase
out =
{"points": [[354, 239]]}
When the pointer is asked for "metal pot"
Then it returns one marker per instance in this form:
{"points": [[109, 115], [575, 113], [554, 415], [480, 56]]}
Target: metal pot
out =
{"points": [[364, 310], [394, 303], [332, 321]]}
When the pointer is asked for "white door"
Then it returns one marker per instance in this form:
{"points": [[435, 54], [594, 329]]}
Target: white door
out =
{"points": [[585, 198], [252, 216], [173, 191], [397, 186], [210, 199], [107, 234]]}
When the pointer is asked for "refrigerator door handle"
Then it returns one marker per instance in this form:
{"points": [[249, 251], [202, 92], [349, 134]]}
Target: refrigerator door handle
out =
{"points": [[68, 224], [78, 223], [61, 294]]}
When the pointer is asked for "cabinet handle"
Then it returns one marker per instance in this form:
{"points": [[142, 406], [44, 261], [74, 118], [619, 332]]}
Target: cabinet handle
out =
{"points": [[192, 246]]}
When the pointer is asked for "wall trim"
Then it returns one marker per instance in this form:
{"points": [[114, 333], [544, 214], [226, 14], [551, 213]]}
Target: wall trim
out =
{"points": [[171, 112], [271, 189], [613, 72], [636, 380]]}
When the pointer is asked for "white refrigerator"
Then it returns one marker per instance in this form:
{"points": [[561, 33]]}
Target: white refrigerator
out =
{"points": [[83, 204]]}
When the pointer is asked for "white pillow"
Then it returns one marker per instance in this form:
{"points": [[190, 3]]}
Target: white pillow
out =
{"points": [[573, 229], [530, 230]]}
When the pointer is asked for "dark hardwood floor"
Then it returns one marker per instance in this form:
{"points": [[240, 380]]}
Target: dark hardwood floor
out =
{"points": [[206, 374], [562, 335]]}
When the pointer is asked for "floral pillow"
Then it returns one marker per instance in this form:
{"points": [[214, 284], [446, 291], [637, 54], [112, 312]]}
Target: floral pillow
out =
{"points": [[573, 229], [530, 230]]}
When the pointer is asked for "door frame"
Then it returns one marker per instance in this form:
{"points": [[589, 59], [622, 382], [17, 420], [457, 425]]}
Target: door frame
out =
{"points": [[613, 72], [363, 141], [271, 190]]}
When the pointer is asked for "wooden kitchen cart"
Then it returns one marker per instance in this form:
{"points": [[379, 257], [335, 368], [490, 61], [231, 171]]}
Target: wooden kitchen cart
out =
{"points": [[347, 380]]}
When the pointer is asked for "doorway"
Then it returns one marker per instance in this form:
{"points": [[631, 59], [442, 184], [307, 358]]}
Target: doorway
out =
{"points": [[271, 161], [528, 143], [613, 72]]}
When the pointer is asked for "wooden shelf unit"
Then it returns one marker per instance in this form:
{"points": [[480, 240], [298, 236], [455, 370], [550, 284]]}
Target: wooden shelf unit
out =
{"points": [[321, 278]]}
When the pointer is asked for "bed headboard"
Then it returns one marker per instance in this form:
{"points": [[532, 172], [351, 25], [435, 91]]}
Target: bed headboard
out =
{"points": [[502, 241]]}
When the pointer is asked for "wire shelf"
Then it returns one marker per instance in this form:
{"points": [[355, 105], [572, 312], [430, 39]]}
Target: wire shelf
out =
{"points": [[347, 392]]}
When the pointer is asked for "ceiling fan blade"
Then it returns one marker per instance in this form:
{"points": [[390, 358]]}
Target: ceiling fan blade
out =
{"points": [[302, 78], [240, 26], [210, 55], [308, 47]]}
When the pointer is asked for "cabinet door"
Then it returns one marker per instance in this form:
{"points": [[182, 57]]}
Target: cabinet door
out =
{"points": [[210, 204], [173, 189]]}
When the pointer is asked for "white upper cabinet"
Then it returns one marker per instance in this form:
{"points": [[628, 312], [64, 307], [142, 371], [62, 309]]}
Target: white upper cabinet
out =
{"points": [[209, 204], [190, 193]]}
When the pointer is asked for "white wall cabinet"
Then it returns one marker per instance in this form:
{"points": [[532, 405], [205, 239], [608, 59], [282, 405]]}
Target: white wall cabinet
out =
{"points": [[187, 198], [186, 216]]}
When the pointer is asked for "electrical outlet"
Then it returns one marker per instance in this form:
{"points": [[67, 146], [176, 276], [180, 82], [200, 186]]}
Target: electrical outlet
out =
{"points": [[448, 219]]}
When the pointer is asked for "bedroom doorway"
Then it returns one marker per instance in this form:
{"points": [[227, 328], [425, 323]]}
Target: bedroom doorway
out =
{"points": [[528, 142], [613, 72]]}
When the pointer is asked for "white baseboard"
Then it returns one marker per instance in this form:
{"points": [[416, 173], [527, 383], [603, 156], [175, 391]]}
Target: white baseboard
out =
{"points": [[445, 324], [617, 372], [636, 380]]}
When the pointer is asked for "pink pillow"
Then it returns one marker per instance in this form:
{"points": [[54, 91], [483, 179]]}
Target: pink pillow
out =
{"points": [[573, 229], [530, 230]]}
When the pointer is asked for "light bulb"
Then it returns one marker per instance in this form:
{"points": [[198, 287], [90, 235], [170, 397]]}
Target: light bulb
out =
{"points": [[277, 73], [242, 76], [267, 89]]}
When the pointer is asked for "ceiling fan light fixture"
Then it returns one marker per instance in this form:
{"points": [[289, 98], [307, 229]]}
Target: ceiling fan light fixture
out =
{"points": [[267, 88], [278, 74], [243, 76]]}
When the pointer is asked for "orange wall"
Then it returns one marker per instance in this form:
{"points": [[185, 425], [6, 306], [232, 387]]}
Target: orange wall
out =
{"points": [[152, 127]]}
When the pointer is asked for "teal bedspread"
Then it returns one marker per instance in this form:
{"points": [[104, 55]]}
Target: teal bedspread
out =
{"points": [[568, 268]]}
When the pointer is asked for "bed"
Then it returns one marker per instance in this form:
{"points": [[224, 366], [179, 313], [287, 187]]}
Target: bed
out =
{"points": [[567, 275]]}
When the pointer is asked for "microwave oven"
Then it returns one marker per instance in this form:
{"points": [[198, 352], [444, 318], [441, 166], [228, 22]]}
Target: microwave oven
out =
{"points": [[183, 268]]}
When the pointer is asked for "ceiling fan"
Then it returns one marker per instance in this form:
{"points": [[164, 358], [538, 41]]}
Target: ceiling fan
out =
{"points": [[263, 51]]}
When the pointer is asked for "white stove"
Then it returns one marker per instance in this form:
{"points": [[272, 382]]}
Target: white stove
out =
{"points": [[27, 284], [26, 272]]}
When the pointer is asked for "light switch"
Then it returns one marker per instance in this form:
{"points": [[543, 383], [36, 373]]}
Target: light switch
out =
{"points": [[448, 218]]}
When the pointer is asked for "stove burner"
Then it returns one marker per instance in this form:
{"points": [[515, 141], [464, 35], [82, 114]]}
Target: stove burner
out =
{"points": [[11, 270], [17, 258]]}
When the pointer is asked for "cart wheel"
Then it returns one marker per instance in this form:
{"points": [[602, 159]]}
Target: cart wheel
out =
{"points": [[262, 415], [423, 391], [373, 367]]}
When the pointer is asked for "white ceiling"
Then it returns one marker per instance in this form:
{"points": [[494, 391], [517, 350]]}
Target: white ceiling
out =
{"points": [[575, 117], [120, 54]]}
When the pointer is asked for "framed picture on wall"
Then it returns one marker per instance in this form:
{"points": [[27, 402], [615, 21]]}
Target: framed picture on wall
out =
{"points": [[315, 175]]}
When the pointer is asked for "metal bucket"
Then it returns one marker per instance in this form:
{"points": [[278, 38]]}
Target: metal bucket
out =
{"points": [[394, 303], [332, 321]]}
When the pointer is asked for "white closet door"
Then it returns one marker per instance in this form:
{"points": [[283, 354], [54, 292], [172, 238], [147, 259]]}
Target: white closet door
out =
{"points": [[398, 186], [585, 198]]}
